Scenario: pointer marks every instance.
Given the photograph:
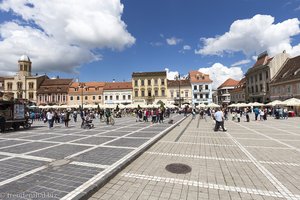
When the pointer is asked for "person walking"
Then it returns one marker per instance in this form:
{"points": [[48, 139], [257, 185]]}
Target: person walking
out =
{"points": [[67, 119], [219, 117], [50, 118]]}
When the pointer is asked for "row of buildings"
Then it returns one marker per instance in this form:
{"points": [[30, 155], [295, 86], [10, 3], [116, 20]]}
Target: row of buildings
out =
{"points": [[144, 88], [270, 78]]}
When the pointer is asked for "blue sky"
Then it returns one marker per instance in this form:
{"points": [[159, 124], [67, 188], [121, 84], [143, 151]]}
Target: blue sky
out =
{"points": [[151, 36]]}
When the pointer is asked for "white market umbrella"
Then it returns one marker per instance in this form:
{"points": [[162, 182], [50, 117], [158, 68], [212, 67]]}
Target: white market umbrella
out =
{"points": [[292, 102], [213, 105], [275, 103], [256, 104]]}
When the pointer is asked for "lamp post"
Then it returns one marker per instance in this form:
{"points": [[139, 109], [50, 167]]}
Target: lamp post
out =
{"points": [[81, 85], [177, 77]]}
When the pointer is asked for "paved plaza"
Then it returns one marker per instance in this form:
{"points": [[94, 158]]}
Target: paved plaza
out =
{"points": [[256, 160], [69, 163]]}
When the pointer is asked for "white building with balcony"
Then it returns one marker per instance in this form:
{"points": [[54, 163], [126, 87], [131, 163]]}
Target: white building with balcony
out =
{"points": [[224, 91], [201, 88]]}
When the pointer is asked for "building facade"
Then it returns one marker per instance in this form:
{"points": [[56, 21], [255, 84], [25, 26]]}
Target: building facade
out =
{"points": [[224, 91], [117, 93], [85, 93], [149, 87], [179, 92], [259, 76], [53, 92], [24, 85], [201, 86], [238, 94], [286, 83]]}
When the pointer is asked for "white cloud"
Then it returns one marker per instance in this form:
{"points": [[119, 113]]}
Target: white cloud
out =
{"points": [[241, 62], [156, 44], [220, 73], [187, 47], [171, 74], [61, 35], [253, 36], [173, 41]]}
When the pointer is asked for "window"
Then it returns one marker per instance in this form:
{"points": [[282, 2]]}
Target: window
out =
{"points": [[19, 85], [149, 82], [195, 87], [78, 98], [186, 93], [260, 76], [40, 98], [256, 78], [206, 87], [30, 95], [201, 96], [163, 93], [195, 96], [110, 97], [256, 88], [267, 86], [156, 92], [143, 93], [117, 97], [142, 82], [86, 89], [267, 75], [251, 79], [163, 81], [261, 87], [136, 93], [135, 83], [76, 89], [207, 96], [99, 97], [85, 97], [94, 98], [105, 98], [9, 86], [172, 94], [200, 87], [155, 81], [64, 98], [31, 84], [124, 97], [252, 89], [129, 97]]}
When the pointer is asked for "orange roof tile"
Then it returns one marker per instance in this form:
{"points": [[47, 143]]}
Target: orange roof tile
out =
{"points": [[199, 77], [229, 83], [117, 85], [88, 84]]}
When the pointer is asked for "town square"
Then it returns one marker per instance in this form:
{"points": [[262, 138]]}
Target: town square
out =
{"points": [[149, 100]]}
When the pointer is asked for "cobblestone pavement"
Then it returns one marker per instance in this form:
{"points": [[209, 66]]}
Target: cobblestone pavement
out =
{"points": [[67, 163], [256, 160]]}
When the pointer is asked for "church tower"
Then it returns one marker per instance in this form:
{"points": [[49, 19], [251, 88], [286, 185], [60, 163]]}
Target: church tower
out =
{"points": [[24, 66]]}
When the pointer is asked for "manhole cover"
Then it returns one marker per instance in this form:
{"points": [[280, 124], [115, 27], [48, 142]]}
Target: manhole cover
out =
{"points": [[178, 168]]}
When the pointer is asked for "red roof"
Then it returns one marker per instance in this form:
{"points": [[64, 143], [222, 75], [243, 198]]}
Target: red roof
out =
{"points": [[117, 85], [199, 77], [229, 83]]}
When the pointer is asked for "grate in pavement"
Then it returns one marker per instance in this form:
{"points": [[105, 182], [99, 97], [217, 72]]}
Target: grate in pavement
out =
{"points": [[178, 168]]}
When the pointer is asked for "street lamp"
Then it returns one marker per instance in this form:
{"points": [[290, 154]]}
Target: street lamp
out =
{"points": [[81, 85], [177, 77]]}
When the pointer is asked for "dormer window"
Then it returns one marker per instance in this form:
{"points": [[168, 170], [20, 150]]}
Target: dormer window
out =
{"points": [[46, 89], [75, 89]]}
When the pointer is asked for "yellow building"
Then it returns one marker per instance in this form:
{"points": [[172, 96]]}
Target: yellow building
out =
{"points": [[23, 85], [149, 87]]}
